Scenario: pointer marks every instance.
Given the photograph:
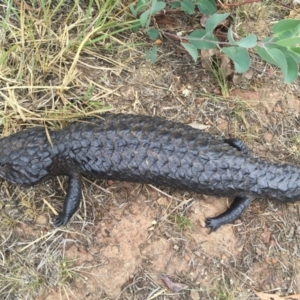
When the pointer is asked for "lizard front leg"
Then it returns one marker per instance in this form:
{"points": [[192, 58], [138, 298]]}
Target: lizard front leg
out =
{"points": [[72, 200]]}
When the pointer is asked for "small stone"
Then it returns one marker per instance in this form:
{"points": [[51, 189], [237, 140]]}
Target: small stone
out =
{"points": [[194, 295], [197, 253], [162, 201], [278, 109], [268, 137], [42, 220]]}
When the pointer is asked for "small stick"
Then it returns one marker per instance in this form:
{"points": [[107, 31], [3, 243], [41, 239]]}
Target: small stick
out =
{"points": [[238, 4]]}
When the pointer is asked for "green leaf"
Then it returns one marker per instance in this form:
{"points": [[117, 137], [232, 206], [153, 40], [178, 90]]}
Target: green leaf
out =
{"points": [[249, 41], [144, 17], [289, 42], [136, 25], [133, 11], [286, 25], [292, 69], [264, 54], [295, 55], [280, 60], [269, 41], [141, 5], [284, 59], [152, 54], [230, 36], [153, 33], [288, 51], [295, 52], [214, 21], [192, 50], [175, 4], [201, 40], [240, 58], [157, 6], [187, 6], [285, 35], [208, 7]]}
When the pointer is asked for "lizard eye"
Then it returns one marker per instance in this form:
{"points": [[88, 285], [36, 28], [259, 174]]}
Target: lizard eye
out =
{"points": [[2, 165]]}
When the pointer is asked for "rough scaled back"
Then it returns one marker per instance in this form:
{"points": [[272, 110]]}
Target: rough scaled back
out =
{"points": [[153, 150], [149, 150]]}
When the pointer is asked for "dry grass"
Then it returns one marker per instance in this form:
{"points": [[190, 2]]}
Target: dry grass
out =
{"points": [[46, 51]]}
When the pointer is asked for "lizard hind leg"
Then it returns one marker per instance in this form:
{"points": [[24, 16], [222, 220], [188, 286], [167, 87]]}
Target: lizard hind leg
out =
{"points": [[238, 206]]}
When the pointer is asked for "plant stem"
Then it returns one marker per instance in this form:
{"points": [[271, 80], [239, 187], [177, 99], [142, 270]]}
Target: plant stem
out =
{"points": [[238, 4]]}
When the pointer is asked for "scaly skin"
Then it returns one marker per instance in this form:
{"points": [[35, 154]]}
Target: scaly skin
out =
{"points": [[147, 150]]}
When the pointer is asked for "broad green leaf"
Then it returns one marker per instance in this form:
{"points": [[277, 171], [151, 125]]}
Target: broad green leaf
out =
{"points": [[268, 41], [192, 50], [285, 58], [249, 41], [153, 33], [214, 21], [285, 35], [133, 11], [201, 40], [230, 36], [289, 42], [144, 17], [288, 51], [187, 6], [264, 54], [295, 49], [141, 5], [286, 25], [151, 54], [208, 7], [279, 59], [240, 58], [295, 55], [295, 52], [175, 4], [157, 6], [292, 69], [136, 25]]}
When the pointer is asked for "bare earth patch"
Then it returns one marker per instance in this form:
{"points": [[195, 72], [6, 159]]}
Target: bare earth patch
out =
{"points": [[128, 242]]}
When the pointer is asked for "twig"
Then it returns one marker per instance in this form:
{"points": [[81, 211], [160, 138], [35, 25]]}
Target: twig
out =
{"points": [[26, 6], [238, 4], [175, 37]]}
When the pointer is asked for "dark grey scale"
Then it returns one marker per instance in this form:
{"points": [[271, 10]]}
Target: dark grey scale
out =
{"points": [[14, 154], [149, 150]]}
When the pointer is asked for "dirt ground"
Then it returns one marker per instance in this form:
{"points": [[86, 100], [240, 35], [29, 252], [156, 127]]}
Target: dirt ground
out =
{"points": [[127, 240], [134, 241]]}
